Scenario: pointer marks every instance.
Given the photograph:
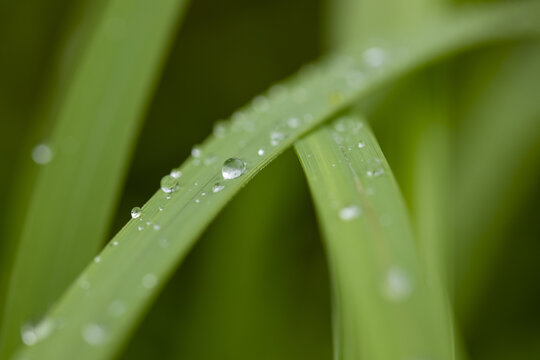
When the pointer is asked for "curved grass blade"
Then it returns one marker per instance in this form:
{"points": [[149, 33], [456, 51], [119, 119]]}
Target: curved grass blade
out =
{"points": [[116, 289], [97, 124], [385, 306]]}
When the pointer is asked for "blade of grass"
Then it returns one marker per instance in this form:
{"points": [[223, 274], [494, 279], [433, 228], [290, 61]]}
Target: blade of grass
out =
{"points": [[385, 305], [136, 263], [97, 124], [496, 172]]}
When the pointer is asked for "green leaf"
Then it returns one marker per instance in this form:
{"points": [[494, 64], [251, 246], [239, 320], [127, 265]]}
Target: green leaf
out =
{"points": [[97, 125], [143, 255], [385, 307]]}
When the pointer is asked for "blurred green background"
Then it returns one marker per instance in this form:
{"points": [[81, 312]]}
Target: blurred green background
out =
{"points": [[256, 285]]}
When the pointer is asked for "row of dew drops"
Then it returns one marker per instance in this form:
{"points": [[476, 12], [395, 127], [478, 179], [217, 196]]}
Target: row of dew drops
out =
{"points": [[351, 72], [397, 286]]}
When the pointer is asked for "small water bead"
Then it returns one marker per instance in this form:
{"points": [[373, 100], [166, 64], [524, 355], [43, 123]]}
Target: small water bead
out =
{"points": [[233, 168], [217, 188], [176, 173], [375, 172], [140, 228], [375, 56], [196, 152], [197, 201], [340, 127], [94, 334], [397, 286], [115, 243], [42, 154], [260, 152], [276, 137], [136, 212], [97, 259], [220, 129], [361, 145], [293, 122], [117, 308], [169, 184], [34, 333], [160, 208], [156, 227], [164, 243], [149, 281], [349, 213], [84, 284]]}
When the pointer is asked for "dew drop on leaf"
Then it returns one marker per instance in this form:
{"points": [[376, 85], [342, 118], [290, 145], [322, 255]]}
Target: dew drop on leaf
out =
{"points": [[136, 212], [169, 184], [397, 285], [42, 154], [217, 187], [233, 168], [349, 213], [94, 334]]}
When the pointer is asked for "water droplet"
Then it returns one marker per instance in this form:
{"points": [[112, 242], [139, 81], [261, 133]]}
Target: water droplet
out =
{"points": [[260, 152], [84, 284], [375, 56], [115, 243], [361, 145], [136, 212], [276, 137], [233, 168], [196, 152], [217, 187], [340, 127], [397, 285], [197, 201], [293, 122], [149, 281], [375, 172], [34, 333], [349, 213], [94, 334], [97, 259], [169, 184], [156, 227], [160, 208], [176, 173], [219, 129], [42, 154], [117, 308], [140, 228]]}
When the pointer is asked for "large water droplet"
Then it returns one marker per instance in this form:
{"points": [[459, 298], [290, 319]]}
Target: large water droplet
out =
{"points": [[397, 285], [42, 154], [94, 334], [217, 187], [233, 168], [136, 212], [169, 184], [34, 333], [349, 213]]}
